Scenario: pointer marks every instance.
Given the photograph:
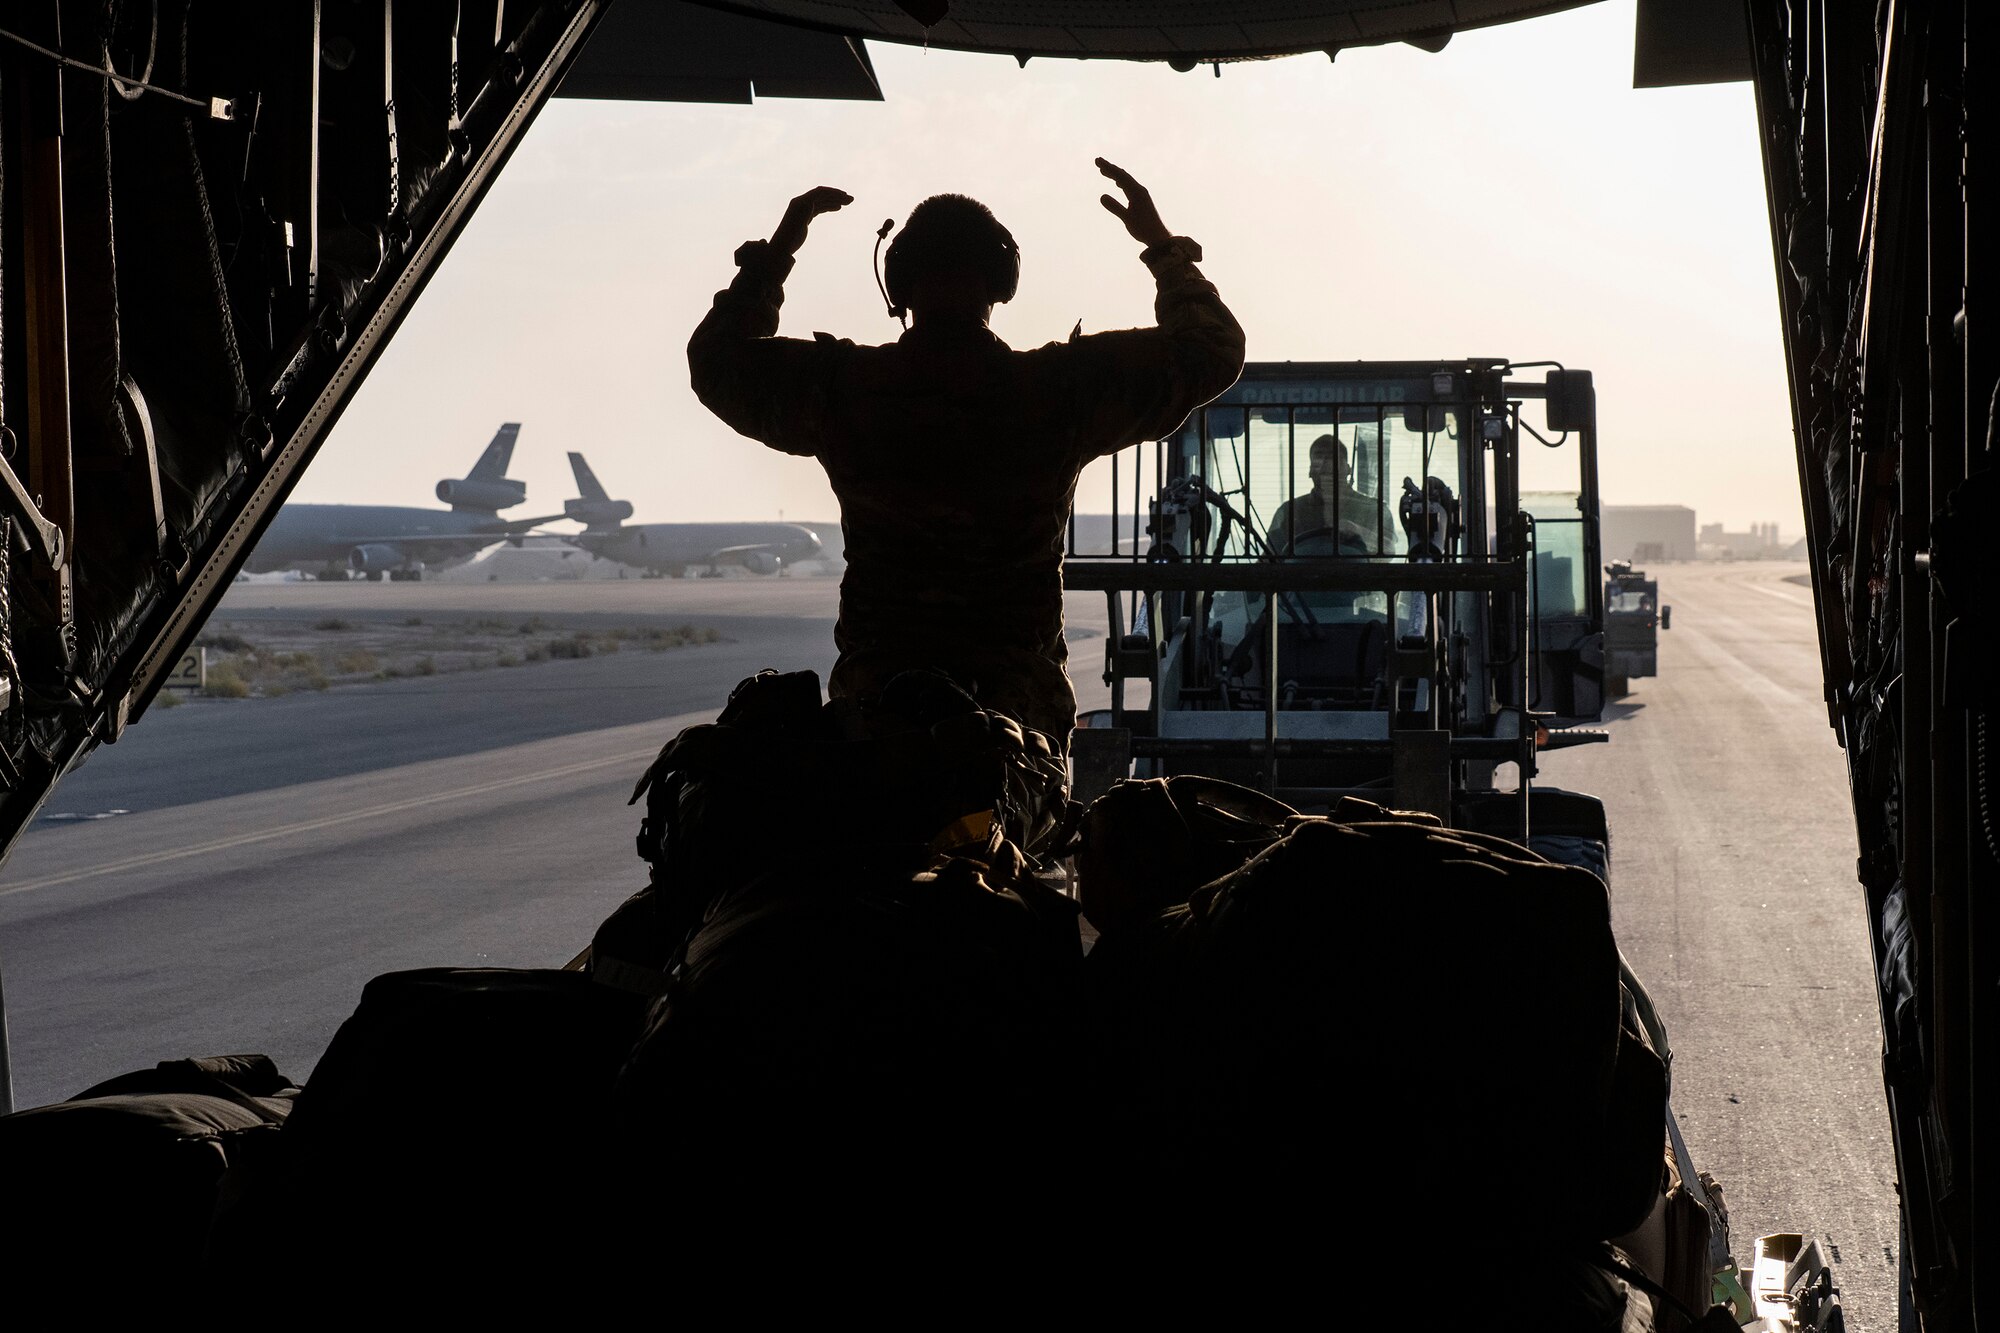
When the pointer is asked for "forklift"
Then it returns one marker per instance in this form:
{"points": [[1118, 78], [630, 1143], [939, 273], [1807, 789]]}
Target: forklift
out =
{"points": [[1344, 590], [1633, 619]]}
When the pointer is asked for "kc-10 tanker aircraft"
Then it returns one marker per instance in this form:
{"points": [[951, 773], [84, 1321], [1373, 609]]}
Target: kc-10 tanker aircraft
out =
{"points": [[676, 548], [402, 541]]}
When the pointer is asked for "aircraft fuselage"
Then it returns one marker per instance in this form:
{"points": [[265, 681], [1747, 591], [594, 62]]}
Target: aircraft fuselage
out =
{"points": [[762, 548], [307, 535]]}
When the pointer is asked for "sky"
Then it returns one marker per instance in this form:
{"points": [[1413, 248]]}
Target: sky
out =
{"points": [[1512, 196]]}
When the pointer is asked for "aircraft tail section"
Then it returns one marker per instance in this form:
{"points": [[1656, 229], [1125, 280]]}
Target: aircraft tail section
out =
{"points": [[588, 487], [492, 465], [593, 506], [487, 489]]}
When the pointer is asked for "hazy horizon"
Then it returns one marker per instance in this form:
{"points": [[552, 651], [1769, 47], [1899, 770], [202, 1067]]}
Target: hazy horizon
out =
{"points": [[1511, 196]]}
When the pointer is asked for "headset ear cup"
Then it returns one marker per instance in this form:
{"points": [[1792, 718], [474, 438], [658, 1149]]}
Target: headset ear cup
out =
{"points": [[1007, 275]]}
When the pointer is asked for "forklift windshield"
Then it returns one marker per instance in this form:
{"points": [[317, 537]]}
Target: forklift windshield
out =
{"points": [[1315, 482], [1630, 602]]}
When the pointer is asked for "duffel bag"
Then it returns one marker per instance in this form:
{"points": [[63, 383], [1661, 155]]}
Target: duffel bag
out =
{"points": [[778, 783], [1385, 1012], [456, 1127], [109, 1195], [841, 1041]]}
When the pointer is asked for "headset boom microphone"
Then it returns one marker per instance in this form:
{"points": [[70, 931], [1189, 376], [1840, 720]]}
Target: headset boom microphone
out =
{"points": [[896, 312]]}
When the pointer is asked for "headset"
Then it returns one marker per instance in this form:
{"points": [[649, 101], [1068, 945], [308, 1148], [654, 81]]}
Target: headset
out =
{"points": [[1002, 266]]}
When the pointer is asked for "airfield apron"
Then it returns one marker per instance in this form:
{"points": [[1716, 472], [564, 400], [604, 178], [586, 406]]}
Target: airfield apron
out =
{"points": [[955, 459]]}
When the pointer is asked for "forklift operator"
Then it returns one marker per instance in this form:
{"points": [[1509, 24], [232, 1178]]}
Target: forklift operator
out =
{"points": [[955, 457], [1331, 506]]}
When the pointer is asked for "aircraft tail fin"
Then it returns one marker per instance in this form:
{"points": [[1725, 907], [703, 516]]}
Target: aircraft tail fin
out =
{"points": [[487, 489], [593, 506], [588, 487], [492, 465]]}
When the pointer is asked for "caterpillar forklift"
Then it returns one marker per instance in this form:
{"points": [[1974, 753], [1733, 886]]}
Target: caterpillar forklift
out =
{"points": [[1345, 590]]}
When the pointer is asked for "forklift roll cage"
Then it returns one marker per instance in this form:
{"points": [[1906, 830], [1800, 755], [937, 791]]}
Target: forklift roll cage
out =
{"points": [[1487, 640]]}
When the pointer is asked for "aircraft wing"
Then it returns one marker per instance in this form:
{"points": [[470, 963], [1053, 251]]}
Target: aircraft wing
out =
{"points": [[518, 526], [486, 536]]}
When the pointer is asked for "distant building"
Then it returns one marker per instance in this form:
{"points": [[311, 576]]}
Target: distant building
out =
{"points": [[1760, 542], [1648, 534]]}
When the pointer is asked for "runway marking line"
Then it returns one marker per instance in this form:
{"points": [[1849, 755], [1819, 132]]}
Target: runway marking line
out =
{"points": [[1781, 596], [328, 821]]}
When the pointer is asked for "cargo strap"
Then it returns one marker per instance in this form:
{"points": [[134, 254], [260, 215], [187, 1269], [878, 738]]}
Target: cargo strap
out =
{"points": [[1715, 1318], [1718, 1230]]}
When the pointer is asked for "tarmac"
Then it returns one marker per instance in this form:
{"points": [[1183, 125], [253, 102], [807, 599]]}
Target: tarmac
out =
{"points": [[274, 854]]}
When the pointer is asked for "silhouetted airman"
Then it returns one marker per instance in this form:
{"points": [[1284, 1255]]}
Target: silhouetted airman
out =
{"points": [[955, 457]]}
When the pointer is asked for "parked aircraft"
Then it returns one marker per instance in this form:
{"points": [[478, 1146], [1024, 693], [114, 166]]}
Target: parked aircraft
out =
{"points": [[400, 540], [675, 548]]}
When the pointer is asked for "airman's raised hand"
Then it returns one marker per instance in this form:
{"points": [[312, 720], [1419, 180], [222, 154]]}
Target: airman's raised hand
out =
{"points": [[1138, 213], [791, 232]]}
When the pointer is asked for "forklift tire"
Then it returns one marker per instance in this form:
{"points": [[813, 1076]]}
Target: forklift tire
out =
{"points": [[1574, 850], [1567, 827], [1616, 687]]}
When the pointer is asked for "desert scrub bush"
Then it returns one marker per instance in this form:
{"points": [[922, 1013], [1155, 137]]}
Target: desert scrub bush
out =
{"points": [[506, 659], [424, 666], [167, 699], [679, 636], [413, 620], [332, 624], [226, 682], [356, 662], [535, 652], [576, 645], [533, 625], [223, 642]]}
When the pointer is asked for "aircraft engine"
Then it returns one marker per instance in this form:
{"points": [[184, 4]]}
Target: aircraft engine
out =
{"points": [[762, 562], [598, 513], [374, 558], [485, 495]]}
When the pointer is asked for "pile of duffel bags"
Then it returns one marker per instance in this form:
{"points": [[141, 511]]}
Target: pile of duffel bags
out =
{"points": [[847, 1042]]}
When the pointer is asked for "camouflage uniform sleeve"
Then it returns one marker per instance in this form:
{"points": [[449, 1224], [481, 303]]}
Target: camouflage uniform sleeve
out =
{"points": [[768, 388], [1141, 383]]}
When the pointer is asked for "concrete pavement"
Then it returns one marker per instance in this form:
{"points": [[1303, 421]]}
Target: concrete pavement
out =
{"points": [[1735, 899]]}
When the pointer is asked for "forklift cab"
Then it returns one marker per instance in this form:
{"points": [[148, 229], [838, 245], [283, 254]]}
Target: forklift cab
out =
{"points": [[1343, 587]]}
